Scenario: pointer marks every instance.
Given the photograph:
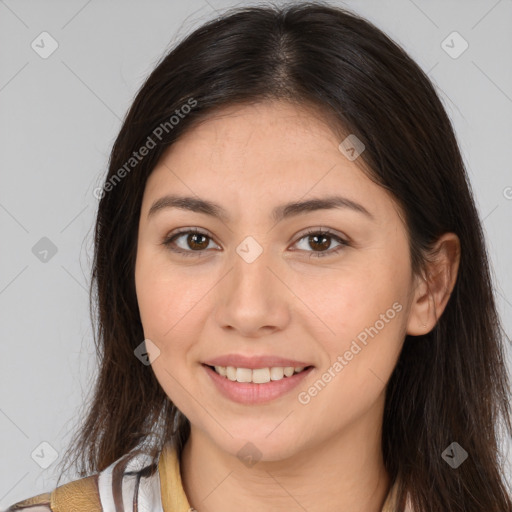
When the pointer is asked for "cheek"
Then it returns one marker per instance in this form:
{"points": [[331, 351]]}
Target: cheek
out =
{"points": [[173, 304], [355, 299], [361, 359], [165, 301], [366, 311], [165, 298]]}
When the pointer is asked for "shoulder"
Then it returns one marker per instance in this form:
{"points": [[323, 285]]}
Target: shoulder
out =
{"points": [[78, 495], [106, 491], [39, 503]]}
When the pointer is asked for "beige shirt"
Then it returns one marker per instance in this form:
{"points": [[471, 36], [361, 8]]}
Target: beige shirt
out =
{"points": [[127, 486]]}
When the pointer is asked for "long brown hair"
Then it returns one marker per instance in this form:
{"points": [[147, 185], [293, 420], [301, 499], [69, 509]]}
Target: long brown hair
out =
{"points": [[448, 385]]}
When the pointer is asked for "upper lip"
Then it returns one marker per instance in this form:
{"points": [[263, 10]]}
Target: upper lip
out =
{"points": [[254, 362]]}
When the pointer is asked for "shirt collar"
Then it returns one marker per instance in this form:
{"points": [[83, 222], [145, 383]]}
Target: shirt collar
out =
{"points": [[174, 498]]}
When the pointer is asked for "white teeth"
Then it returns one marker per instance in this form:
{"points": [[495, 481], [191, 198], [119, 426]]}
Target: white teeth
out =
{"points": [[276, 373], [258, 375], [243, 375], [231, 373], [261, 375], [221, 370], [288, 371]]}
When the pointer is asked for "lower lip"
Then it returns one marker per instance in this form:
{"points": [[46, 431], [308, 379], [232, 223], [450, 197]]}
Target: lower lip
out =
{"points": [[251, 393]]}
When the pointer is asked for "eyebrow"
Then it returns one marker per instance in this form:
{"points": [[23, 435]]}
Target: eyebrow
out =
{"points": [[279, 213]]}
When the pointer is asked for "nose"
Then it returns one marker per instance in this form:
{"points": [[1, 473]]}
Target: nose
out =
{"points": [[253, 299]]}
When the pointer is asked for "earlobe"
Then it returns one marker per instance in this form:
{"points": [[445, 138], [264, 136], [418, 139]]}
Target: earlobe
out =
{"points": [[432, 290]]}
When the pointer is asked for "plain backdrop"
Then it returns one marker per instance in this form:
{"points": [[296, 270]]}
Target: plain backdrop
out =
{"points": [[59, 115]]}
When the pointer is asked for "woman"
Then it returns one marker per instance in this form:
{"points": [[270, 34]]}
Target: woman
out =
{"points": [[295, 309]]}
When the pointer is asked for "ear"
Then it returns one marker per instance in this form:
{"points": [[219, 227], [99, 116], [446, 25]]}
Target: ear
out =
{"points": [[431, 292]]}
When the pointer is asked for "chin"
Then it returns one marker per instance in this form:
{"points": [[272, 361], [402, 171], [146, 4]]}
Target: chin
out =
{"points": [[263, 442]]}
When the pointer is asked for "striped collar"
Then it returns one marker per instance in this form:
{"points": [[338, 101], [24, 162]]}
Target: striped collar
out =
{"points": [[173, 494], [134, 484]]}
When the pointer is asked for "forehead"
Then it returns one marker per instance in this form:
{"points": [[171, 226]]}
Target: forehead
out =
{"points": [[254, 154], [285, 130]]}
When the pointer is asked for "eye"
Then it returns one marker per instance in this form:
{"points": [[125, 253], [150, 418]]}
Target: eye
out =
{"points": [[195, 242], [320, 240]]}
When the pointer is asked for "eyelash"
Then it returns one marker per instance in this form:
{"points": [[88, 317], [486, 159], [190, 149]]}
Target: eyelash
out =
{"points": [[314, 254]]}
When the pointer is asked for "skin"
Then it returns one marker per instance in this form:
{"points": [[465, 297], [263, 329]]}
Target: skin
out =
{"points": [[324, 455]]}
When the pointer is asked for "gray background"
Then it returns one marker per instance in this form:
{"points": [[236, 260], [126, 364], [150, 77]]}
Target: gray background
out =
{"points": [[59, 117]]}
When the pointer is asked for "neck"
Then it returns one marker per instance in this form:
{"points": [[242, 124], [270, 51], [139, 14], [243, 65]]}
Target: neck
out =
{"points": [[344, 473]]}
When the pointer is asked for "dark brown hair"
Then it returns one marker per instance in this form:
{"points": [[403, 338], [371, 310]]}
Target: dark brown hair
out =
{"points": [[448, 385]]}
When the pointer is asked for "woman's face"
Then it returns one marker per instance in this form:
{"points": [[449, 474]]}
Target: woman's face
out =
{"points": [[262, 287]]}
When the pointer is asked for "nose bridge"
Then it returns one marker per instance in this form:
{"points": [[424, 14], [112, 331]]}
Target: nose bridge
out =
{"points": [[251, 274], [251, 297]]}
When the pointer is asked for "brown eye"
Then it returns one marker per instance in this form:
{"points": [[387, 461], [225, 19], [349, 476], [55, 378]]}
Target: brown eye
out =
{"points": [[188, 242], [194, 241], [320, 241]]}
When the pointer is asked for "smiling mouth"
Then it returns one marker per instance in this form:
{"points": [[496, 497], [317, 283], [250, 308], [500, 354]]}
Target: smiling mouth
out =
{"points": [[257, 375]]}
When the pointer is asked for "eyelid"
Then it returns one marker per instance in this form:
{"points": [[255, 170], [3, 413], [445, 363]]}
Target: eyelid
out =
{"points": [[343, 240], [324, 231], [169, 238]]}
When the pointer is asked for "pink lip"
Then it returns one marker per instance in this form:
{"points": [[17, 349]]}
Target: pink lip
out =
{"points": [[250, 393], [254, 362]]}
